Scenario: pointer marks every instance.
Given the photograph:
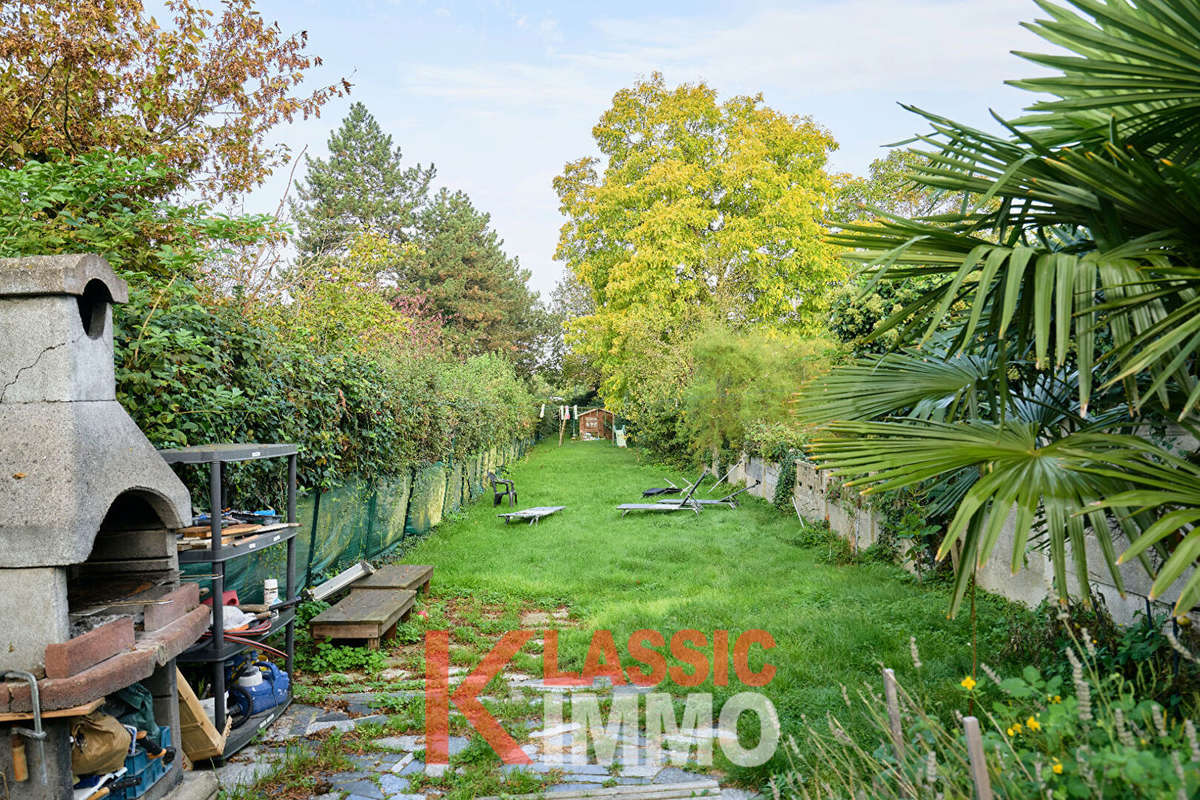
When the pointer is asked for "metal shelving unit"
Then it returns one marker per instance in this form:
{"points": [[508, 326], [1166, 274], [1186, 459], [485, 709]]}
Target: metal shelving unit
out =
{"points": [[218, 650]]}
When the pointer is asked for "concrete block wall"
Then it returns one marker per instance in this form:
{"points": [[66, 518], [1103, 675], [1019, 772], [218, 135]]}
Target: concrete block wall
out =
{"points": [[1034, 582]]}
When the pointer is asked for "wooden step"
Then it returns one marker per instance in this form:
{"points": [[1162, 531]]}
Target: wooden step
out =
{"points": [[648, 791], [368, 615], [397, 576]]}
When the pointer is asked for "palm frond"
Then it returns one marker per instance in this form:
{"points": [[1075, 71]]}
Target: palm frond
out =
{"points": [[927, 387], [1021, 476], [1170, 487]]}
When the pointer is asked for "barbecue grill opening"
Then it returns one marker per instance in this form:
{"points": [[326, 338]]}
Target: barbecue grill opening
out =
{"points": [[132, 558]]}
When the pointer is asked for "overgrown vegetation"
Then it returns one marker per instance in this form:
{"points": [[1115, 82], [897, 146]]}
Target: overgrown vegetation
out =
{"points": [[1087, 733]]}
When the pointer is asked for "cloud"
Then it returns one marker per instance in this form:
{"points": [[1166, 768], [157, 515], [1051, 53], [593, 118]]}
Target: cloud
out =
{"points": [[824, 49]]}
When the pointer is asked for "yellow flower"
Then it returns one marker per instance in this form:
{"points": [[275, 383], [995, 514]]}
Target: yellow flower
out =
{"points": [[1057, 768], [1010, 731], [968, 683], [1033, 724], [1056, 699]]}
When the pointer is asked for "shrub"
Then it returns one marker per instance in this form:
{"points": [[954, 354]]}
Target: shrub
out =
{"points": [[1089, 734]]}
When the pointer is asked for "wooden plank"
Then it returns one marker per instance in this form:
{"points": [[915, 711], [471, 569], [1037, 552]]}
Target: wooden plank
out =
{"points": [[396, 576], [73, 711], [346, 630], [239, 529], [648, 791], [199, 736], [367, 606], [363, 615]]}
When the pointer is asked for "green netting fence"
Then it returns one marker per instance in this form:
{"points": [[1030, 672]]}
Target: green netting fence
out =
{"points": [[367, 520]]}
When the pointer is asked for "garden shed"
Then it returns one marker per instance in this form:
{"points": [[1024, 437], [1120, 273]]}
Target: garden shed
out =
{"points": [[595, 423]]}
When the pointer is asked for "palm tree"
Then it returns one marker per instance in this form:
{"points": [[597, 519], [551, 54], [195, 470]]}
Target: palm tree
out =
{"points": [[1064, 318]]}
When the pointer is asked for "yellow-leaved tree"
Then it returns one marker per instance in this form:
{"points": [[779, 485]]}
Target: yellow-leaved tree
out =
{"points": [[695, 211]]}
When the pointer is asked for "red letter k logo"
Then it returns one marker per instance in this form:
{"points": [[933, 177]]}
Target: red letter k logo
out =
{"points": [[465, 697]]}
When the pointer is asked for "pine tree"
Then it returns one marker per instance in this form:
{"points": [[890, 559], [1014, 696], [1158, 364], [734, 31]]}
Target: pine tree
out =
{"points": [[361, 187], [480, 291]]}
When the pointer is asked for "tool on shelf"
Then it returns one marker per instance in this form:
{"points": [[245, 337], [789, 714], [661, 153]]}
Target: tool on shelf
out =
{"points": [[36, 734]]}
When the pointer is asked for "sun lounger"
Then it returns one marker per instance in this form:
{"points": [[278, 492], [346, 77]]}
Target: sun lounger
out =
{"points": [[531, 514], [666, 505], [728, 500], [661, 490]]}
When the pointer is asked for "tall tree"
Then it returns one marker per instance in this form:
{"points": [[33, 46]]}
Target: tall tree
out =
{"points": [[571, 372], [695, 208], [480, 292], [200, 93], [362, 187]]}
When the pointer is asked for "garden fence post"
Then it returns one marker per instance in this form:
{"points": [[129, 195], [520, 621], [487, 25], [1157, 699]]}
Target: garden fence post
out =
{"points": [[979, 772]]}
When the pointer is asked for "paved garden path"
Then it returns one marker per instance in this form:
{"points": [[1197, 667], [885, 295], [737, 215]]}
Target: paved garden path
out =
{"points": [[558, 753]]}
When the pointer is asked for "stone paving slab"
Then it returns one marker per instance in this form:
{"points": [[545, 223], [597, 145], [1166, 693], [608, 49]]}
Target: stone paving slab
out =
{"points": [[400, 742], [337, 724], [293, 723]]}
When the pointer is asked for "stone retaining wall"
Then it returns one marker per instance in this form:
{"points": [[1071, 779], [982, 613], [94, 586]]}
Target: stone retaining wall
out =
{"points": [[852, 520]]}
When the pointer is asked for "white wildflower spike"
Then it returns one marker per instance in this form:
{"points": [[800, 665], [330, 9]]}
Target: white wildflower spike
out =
{"points": [[1189, 728], [991, 673], [916, 656], [1087, 642], [845, 695], [1160, 721], [1123, 734], [931, 768], [1083, 692], [1180, 793]]}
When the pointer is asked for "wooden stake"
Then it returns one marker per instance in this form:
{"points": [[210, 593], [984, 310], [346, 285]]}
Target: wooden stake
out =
{"points": [[979, 771]]}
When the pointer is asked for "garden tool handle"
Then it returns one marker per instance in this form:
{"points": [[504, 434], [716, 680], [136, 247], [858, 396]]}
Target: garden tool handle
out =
{"points": [[19, 762]]}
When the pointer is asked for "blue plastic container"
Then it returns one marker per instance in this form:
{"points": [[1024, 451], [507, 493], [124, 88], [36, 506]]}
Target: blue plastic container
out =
{"points": [[148, 771]]}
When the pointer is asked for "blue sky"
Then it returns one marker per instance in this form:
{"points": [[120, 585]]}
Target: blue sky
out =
{"points": [[499, 94]]}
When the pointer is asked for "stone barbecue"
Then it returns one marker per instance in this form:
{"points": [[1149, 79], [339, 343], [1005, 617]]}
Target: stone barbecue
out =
{"points": [[90, 596]]}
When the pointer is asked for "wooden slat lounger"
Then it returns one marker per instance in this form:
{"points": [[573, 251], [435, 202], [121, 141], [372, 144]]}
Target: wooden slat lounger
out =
{"points": [[531, 514]]}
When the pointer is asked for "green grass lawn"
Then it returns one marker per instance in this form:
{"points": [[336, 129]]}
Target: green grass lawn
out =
{"points": [[753, 567]]}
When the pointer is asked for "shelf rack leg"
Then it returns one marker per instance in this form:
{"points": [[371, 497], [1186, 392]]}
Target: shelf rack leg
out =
{"points": [[291, 566], [218, 594]]}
